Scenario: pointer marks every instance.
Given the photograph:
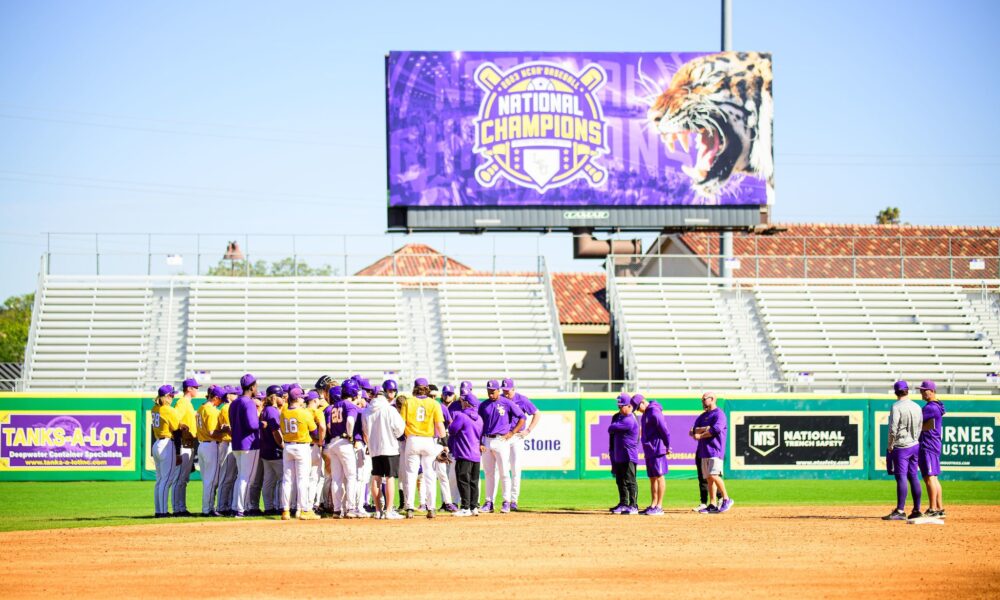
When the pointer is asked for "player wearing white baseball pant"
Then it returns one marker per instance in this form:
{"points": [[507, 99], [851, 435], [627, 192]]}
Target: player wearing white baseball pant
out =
{"points": [[208, 463], [402, 472], [181, 483], [246, 466], [315, 474], [343, 475], [166, 472], [420, 454], [444, 478], [256, 485], [295, 464], [272, 484], [516, 464], [226, 478], [497, 458], [364, 475]]}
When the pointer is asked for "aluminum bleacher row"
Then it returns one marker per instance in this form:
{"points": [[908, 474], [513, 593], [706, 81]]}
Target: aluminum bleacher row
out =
{"points": [[122, 333], [843, 335]]}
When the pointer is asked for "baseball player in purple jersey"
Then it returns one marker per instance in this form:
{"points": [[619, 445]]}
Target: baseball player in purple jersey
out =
{"points": [[271, 445], [656, 447], [517, 443], [464, 433], [624, 451], [710, 432], [257, 483], [445, 469], [497, 413], [364, 460], [324, 387], [905, 423], [929, 457], [341, 417], [246, 441]]}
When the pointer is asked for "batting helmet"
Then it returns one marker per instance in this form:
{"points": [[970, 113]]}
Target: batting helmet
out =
{"points": [[390, 386], [323, 382]]}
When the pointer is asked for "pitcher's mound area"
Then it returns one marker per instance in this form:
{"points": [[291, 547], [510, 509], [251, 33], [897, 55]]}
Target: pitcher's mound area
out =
{"points": [[749, 552]]}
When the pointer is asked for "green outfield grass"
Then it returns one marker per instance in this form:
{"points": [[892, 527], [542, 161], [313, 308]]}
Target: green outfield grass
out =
{"points": [[51, 505]]}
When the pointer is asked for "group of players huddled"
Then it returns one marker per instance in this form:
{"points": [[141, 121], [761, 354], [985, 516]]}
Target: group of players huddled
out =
{"points": [[337, 449]]}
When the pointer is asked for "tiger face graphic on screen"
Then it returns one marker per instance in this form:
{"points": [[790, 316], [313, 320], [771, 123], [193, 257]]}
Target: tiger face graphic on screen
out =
{"points": [[724, 101], [540, 125]]}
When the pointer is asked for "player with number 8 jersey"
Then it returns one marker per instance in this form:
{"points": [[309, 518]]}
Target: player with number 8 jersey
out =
{"points": [[424, 420], [296, 424]]}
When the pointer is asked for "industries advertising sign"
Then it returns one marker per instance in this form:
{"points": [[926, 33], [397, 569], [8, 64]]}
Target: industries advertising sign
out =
{"points": [[796, 440], [968, 441], [80, 440], [552, 445], [563, 129], [679, 423]]}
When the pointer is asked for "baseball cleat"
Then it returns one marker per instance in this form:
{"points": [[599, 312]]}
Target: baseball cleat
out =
{"points": [[285, 515], [712, 509], [183, 513], [895, 515], [450, 508], [654, 511], [430, 514], [505, 507], [393, 516], [488, 507], [160, 515], [630, 510], [308, 516], [475, 512], [238, 515], [409, 513], [422, 507], [618, 509], [937, 514], [699, 508], [727, 503], [916, 514], [464, 512], [513, 506]]}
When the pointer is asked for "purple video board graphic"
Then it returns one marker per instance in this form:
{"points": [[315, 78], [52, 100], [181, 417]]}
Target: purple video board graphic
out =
{"points": [[482, 129]]}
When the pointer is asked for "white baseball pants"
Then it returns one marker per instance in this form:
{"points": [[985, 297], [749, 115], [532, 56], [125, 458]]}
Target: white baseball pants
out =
{"points": [[420, 454], [296, 461], [183, 477], [226, 478], [208, 463], [496, 461], [166, 472], [246, 466], [271, 489], [516, 464], [343, 475], [364, 475]]}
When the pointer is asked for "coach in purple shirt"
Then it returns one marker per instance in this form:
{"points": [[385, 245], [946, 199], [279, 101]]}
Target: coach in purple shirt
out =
{"points": [[656, 447], [710, 432], [245, 426], [270, 449], [929, 455], [624, 451], [464, 434]]}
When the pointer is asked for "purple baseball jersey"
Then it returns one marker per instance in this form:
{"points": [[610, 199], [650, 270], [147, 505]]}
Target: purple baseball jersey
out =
{"points": [[624, 432], [245, 424], [337, 415], [270, 421], [655, 436], [464, 433], [496, 415], [715, 446], [455, 406], [526, 406], [446, 414], [930, 440]]}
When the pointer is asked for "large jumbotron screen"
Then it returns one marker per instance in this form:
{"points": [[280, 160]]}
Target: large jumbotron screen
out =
{"points": [[555, 140]]}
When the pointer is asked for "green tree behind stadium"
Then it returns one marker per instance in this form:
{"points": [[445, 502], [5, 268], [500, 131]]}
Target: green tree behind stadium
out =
{"points": [[15, 321], [286, 267]]}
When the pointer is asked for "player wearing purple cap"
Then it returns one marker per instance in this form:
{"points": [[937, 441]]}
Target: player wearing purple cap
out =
{"points": [[227, 460], [165, 448], [316, 447], [929, 457], [207, 420], [189, 445], [341, 416], [444, 466], [710, 430], [424, 422], [624, 451], [517, 444], [903, 446], [465, 433], [453, 403], [656, 447], [245, 425], [502, 420], [271, 446]]}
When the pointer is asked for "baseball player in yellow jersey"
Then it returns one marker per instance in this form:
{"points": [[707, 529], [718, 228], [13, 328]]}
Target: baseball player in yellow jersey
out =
{"points": [[316, 449], [297, 423], [207, 419], [424, 421], [166, 448], [227, 460], [189, 443]]}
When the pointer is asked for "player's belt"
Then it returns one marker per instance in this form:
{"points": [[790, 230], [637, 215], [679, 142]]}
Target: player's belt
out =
{"points": [[208, 442], [495, 435], [296, 443], [158, 438]]}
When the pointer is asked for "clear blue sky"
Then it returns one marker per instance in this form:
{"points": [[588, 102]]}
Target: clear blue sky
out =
{"points": [[231, 117]]}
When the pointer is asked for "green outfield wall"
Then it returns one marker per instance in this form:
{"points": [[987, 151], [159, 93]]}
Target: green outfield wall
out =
{"points": [[83, 437]]}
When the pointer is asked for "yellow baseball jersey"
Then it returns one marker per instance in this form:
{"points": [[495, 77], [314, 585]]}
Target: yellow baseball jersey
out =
{"points": [[208, 422], [322, 404], [165, 422], [185, 413], [224, 420], [318, 415], [420, 415], [296, 423]]}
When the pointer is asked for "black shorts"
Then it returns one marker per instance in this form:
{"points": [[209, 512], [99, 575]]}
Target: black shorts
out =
{"points": [[385, 466]]}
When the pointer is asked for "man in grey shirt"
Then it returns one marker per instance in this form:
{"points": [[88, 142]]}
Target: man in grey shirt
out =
{"points": [[905, 422]]}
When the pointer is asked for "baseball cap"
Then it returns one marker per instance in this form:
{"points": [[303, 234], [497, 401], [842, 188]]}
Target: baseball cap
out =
{"points": [[364, 384], [471, 399], [390, 385], [232, 389], [273, 389], [900, 386], [420, 381], [295, 393], [190, 383], [260, 396], [166, 390], [624, 399], [465, 387], [447, 390], [507, 385], [927, 385], [637, 400], [312, 395], [334, 393], [285, 387], [247, 380], [492, 384]]}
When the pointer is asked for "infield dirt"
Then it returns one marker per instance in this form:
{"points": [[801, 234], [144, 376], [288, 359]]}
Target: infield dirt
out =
{"points": [[749, 552]]}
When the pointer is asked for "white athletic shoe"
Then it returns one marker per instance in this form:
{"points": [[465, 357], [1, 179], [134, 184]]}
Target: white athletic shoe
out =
{"points": [[475, 512], [462, 513], [393, 515], [699, 508]]}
